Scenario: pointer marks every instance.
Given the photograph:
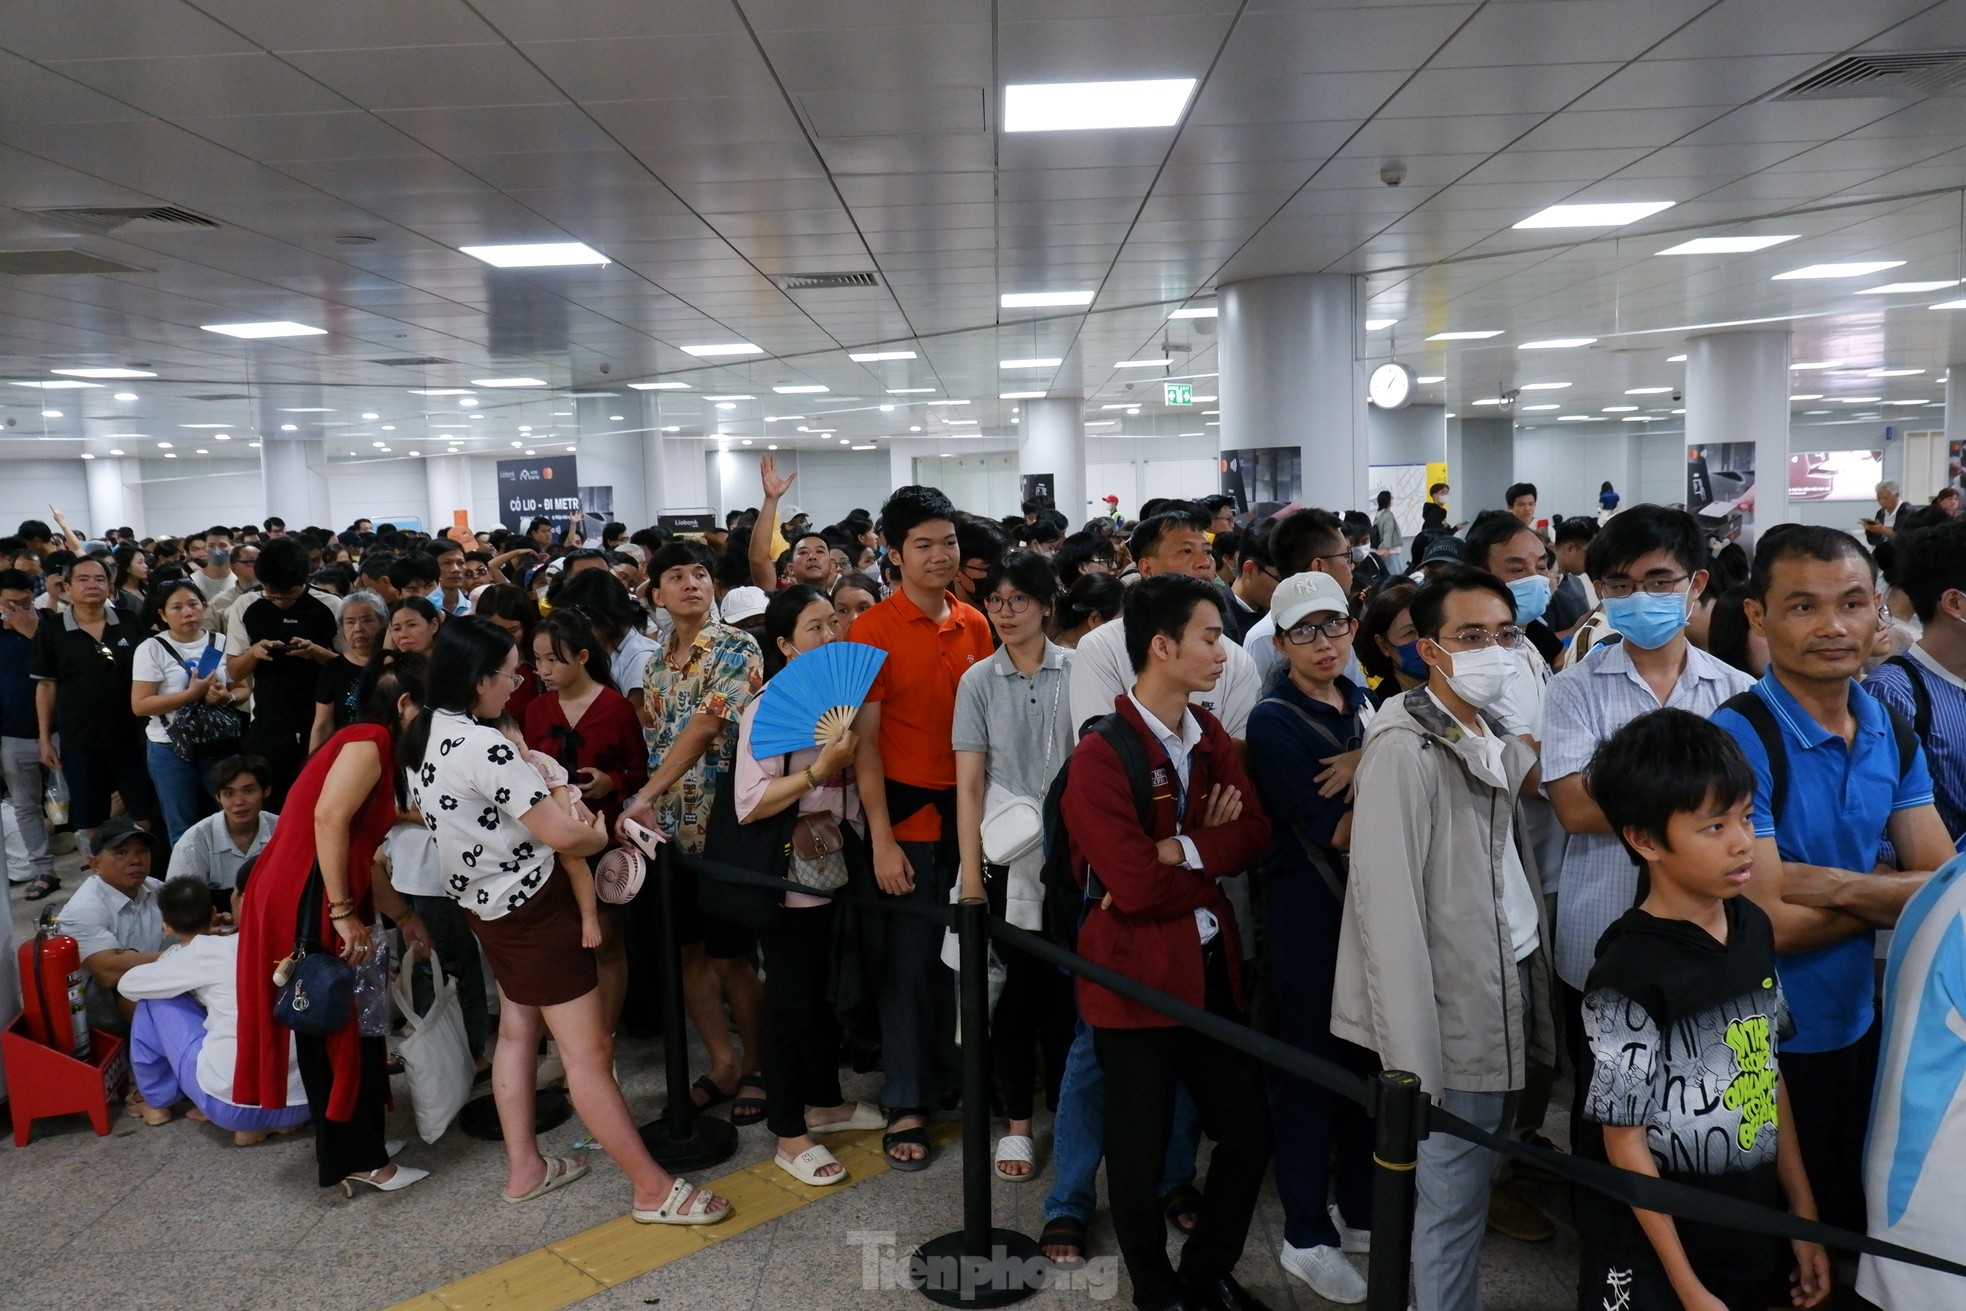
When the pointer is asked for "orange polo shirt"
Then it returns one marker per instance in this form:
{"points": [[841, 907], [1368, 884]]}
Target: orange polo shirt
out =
{"points": [[916, 690]]}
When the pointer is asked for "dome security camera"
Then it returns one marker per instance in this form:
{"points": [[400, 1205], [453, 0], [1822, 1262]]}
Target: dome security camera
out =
{"points": [[1676, 398], [1392, 172]]}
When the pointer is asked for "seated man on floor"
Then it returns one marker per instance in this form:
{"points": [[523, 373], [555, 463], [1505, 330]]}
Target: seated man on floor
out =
{"points": [[217, 846], [184, 1037]]}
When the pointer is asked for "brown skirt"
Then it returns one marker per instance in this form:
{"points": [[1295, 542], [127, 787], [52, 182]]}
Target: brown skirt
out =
{"points": [[535, 951]]}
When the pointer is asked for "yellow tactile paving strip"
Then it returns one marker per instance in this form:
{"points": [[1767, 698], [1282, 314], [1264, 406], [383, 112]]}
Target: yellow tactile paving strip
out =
{"points": [[569, 1269]]}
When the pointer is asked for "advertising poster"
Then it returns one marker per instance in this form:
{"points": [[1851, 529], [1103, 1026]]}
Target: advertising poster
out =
{"points": [[547, 487], [1036, 487], [1720, 487], [1835, 475], [1270, 475]]}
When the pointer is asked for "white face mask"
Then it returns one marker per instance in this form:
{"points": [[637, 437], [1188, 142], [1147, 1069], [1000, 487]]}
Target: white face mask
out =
{"points": [[1481, 677]]}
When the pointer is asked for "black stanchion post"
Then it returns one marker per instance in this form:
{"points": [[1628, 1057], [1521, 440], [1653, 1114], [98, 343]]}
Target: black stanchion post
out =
{"points": [[977, 1265], [679, 1139], [1399, 1120]]}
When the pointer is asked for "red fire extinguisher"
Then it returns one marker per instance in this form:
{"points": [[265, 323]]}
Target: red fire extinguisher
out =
{"points": [[51, 973]]}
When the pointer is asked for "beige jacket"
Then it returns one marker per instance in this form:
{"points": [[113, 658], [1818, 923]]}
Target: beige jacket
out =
{"points": [[1426, 964]]}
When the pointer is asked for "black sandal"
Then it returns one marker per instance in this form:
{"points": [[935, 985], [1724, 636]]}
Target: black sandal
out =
{"points": [[713, 1095], [747, 1110], [915, 1137], [1064, 1231], [40, 886], [1183, 1202]]}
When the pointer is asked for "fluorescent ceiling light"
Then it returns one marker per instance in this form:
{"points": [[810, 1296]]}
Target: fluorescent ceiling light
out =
{"points": [[1593, 216], [782, 418], [140, 373], [1020, 395], [508, 382], [272, 328], [57, 386], [1031, 300], [1375, 325], [126, 395], [801, 388], [1888, 289], [1907, 402], [537, 255], [1620, 409], [658, 386], [869, 447], [1196, 312], [1577, 418], [730, 398], [1724, 245], [1950, 305], [1544, 386], [875, 357], [307, 409], [1483, 335], [1424, 381], [1556, 344], [1541, 407], [1681, 359], [1857, 269], [1488, 400], [51, 414], [953, 423], [948, 402], [1893, 373], [1142, 364], [911, 391], [1107, 423], [1859, 400], [720, 348], [1646, 391], [1816, 364], [1029, 364], [1088, 106], [1807, 396], [204, 425], [441, 391]]}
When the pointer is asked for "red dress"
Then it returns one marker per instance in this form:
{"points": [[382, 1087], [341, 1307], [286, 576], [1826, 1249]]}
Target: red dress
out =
{"points": [[608, 738], [266, 923]]}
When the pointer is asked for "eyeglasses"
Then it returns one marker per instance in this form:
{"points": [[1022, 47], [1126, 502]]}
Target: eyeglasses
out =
{"points": [[1306, 633], [1476, 639], [517, 677], [1016, 603], [1619, 588]]}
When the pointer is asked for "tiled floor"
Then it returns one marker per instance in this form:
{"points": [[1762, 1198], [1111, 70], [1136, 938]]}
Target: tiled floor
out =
{"points": [[175, 1217]]}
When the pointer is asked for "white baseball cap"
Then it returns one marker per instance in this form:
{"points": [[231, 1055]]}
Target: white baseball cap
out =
{"points": [[741, 603], [1302, 595]]}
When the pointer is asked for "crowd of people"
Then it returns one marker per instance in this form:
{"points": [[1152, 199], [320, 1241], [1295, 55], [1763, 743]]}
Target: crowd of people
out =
{"points": [[1486, 802]]}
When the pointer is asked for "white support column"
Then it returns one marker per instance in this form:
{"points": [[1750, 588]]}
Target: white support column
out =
{"points": [[1955, 405], [112, 504], [1737, 390], [449, 480], [1290, 379], [1051, 440], [295, 470]]}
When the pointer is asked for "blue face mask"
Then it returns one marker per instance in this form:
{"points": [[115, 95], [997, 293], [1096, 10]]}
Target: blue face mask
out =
{"points": [[1410, 662], [1532, 597], [1644, 620]]}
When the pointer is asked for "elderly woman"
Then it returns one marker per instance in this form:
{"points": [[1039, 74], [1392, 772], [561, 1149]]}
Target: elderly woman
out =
{"points": [[337, 690], [497, 830]]}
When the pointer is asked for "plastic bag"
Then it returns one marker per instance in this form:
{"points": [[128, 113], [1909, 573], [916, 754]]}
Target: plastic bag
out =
{"points": [[372, 990], [435, 1053], [55, 800]]}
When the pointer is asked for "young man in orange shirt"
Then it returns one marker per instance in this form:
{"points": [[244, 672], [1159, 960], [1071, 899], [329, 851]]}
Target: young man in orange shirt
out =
{"points": [[906, 767]]}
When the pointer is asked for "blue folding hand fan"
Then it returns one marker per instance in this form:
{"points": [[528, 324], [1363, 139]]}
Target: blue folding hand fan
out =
{"points": [[834, 677]]}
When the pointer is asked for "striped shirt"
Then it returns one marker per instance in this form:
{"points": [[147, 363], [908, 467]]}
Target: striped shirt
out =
{"points": [[1586, 704], [1945, 743]]}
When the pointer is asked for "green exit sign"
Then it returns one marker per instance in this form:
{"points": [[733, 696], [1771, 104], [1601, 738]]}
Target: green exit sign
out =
{"points": [[1178, 393]]}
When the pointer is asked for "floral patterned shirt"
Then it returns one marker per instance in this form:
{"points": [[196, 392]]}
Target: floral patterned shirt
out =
{"points": [[723, 671]]}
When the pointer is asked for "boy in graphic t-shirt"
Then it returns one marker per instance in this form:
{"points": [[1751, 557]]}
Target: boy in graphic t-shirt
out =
{"points": [[1684, 1019]]}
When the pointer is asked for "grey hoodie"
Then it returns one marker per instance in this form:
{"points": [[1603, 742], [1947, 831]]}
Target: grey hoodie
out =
{"points": [[1426, 962]]}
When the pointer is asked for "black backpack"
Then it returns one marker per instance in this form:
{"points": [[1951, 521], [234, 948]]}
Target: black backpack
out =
{"points": [[1064, 900], [1921, 698], [1750, 706]]}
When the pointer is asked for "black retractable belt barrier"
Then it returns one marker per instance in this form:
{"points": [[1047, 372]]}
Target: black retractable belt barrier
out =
{"points": [[1646, 1192], [679, 1139]]}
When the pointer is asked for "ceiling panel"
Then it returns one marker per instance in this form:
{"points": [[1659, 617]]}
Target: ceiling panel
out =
{"points": [[432, 77]]}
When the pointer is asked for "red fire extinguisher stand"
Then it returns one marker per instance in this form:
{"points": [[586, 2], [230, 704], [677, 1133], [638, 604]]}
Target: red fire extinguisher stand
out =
{"points": [[55, 1063]]}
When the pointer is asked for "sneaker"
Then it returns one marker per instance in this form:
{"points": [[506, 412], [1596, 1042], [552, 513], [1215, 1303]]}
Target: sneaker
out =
{"points": [[1327, 1271], [1514, 1216], [1355, 1241]]}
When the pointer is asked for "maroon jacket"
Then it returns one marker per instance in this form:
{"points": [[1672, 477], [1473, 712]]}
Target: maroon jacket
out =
{"points": [[1149, 932]]}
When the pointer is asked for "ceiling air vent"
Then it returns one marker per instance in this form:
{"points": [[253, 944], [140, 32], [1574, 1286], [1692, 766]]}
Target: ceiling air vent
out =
{"points": [[825, 281], [410, 361], [1908, 75], [61, 261], [223, 396], [125, 218]]}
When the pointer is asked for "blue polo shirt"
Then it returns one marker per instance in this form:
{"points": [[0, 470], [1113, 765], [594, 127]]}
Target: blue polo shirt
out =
{"points": [[1840, 797]]}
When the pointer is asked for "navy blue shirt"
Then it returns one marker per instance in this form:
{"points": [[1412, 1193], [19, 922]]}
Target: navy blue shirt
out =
{"points": [[1840, 797], [17, 718], [1284, 754]]}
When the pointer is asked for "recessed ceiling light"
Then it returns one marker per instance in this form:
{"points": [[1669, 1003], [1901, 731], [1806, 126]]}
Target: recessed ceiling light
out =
{"points": [[1196, 312], [1894, 288], [441, 391], [378, 445], [1723, 245], [1482, 335], [615, 418], [1430, 379], [163, 446], [876, 357], [1544, 386], [1894, 373], [720, 348], [915, 428], [59, 386], [1646, 391], [1031, 300], [1088, 106], [1807, 396], [389, 427], [1802, 366], [508, 382], [801, 388], [772, 447], [733, 397], [126, 395], [116, 452], [518, 443], [469, 402], [131, 373], [1021, 395], [254, 445], [948, 402], [221, 436], [51, 414], [1541, 407], [536, 255], [1376, 325], [1620, 409], [911, 391], [289, 427], [885, 409], [656, 386], [270, 328], [674, 427], [1675, 359], [1857, 269], [726, 405], [370, 415], [170, 455], [1593, 216], [1161, 363], [1556, 344]]}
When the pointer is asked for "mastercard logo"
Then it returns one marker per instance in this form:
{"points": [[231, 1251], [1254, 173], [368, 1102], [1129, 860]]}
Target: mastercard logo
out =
{"points": [[547, 473]]}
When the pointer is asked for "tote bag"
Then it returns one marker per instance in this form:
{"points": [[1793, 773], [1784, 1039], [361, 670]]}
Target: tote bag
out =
{"points": [[435, 1053]]}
